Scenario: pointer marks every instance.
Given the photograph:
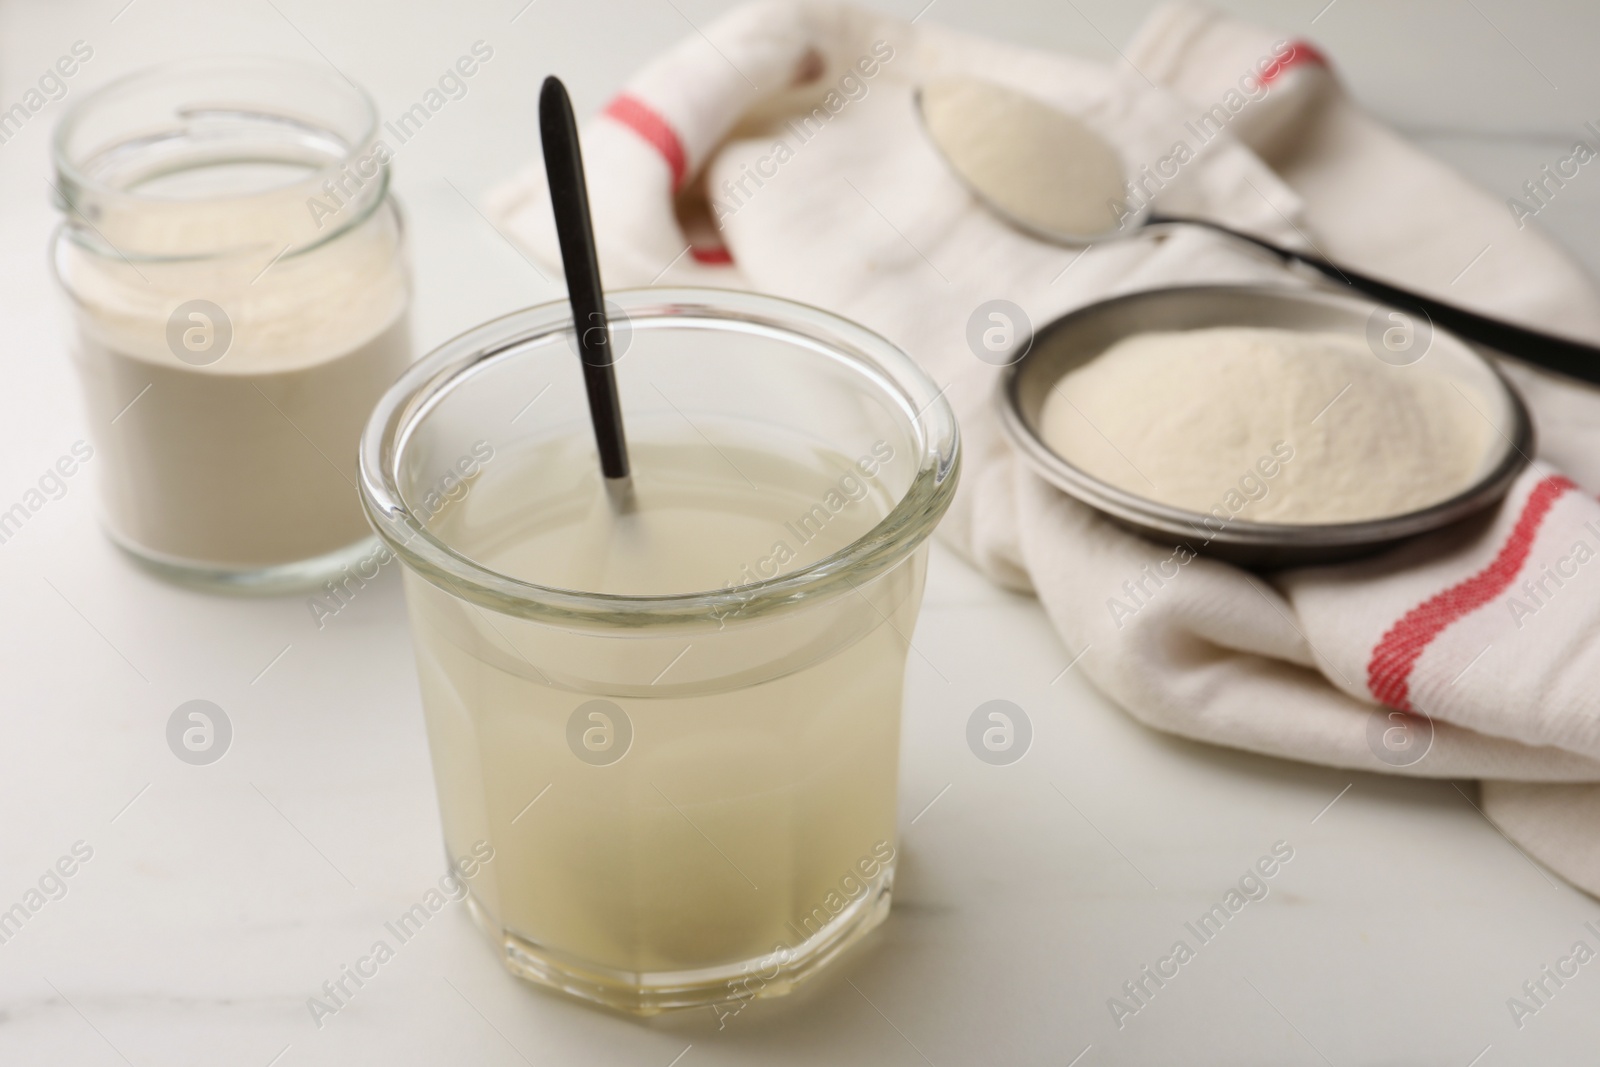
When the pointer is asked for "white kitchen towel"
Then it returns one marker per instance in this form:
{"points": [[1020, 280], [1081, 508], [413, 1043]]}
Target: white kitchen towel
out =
{"points": [[780, 151]]}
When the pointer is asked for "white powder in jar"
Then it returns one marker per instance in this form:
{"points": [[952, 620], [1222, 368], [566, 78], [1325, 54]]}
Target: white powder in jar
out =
{"points": [[1196, 419], [247, 462]]}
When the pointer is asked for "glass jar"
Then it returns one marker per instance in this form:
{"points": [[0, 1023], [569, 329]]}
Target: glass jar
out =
{"points": [[237, 274], [666, 736]]}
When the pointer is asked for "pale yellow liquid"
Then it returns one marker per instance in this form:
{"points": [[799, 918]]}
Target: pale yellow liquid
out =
{"points": [[758, 796]]}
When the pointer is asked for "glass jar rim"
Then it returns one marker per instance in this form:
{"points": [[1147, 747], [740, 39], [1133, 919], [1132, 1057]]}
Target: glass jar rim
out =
{"points": [[929, 418], [73, 180]]}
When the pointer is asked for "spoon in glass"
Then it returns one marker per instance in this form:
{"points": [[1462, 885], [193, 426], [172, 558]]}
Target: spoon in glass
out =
{"points": [[1065, 184]]}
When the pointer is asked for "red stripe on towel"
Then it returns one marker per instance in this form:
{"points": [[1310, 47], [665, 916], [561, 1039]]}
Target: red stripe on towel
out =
{"points": [[1299, 52], [645, 121], [1389, 672]]}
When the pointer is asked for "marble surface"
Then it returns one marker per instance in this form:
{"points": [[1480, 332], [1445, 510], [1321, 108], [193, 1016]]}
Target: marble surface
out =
{"points": [[217, 899]]}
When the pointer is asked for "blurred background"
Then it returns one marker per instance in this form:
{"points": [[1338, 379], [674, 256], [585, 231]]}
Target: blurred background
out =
{"points": [[1495, 87]]}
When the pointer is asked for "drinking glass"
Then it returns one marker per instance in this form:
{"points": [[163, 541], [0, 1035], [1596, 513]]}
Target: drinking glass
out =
{"points": [[675, 725]]}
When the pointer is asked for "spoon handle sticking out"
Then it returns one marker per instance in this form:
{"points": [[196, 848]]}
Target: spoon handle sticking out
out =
{"points": [[1575, 359], [569, 198]]}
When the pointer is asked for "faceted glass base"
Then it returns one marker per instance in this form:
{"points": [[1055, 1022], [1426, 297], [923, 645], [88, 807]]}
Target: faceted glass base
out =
{"points": [[770, 975]]}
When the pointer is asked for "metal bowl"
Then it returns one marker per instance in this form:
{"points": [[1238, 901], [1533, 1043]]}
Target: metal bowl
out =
{"points": [[1081, 335]]}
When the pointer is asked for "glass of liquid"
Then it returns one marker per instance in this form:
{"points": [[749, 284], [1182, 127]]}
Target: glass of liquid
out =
{"points": [[673, 713]]}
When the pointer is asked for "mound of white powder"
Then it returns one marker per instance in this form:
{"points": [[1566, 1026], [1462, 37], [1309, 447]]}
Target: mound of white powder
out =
{"points": [[1268, 425]]}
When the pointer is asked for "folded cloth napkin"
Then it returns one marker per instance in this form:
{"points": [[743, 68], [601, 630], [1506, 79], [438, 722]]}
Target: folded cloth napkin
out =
{"points": [[780, 151]]}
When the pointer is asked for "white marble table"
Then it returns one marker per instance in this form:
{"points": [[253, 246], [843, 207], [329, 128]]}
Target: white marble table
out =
{"points": [[218, 899]]}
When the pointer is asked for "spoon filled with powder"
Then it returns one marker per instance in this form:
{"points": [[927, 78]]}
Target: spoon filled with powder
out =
{"points": [[1052, 175]]}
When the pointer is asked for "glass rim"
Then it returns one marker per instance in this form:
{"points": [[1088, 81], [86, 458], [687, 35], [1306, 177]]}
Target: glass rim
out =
{"points": [[929, 419], [72, 179]]}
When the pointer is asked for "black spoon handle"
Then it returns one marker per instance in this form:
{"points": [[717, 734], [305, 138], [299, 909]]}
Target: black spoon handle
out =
{"points": [[1575, 359], [569, 197]]}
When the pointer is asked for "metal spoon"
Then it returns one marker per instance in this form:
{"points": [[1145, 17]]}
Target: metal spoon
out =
{"points": [[1002, 174], [569, 199]]}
